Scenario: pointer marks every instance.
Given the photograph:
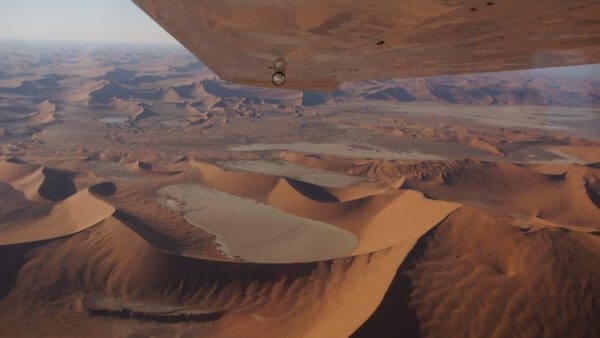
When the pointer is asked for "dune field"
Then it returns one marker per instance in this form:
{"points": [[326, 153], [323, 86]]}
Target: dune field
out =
{"points": [[142, 196]]}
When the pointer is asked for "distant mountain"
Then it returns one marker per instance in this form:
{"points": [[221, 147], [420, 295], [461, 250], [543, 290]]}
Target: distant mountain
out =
{"points": [[551, 87], [393, 93]]}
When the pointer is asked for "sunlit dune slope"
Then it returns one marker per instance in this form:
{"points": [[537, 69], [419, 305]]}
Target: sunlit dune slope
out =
{"points": [[72, 215]]}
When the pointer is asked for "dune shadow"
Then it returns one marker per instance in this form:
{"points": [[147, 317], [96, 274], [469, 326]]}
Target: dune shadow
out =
{"points": [[103, 189], [312, 191], [394, 317], [57, 185], [12, 259], [593, 192], [149, 234]]}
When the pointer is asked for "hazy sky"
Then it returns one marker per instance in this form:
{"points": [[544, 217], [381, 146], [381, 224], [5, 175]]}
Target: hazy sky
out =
{"points": [[78, 20]]}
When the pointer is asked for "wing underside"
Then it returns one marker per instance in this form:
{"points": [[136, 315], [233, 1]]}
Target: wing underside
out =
{"points": [[326, 42]]}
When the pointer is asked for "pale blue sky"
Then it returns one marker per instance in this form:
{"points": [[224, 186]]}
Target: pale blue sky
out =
{"points": [[78, 20]]}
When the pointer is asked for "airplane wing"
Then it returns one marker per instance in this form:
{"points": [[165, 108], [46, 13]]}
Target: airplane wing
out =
{"points": [[317, 44]]}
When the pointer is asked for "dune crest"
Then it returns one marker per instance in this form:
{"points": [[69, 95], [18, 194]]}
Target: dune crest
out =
{"points": [[45, 113], [70, 216], [481, 144], [129, 108]]}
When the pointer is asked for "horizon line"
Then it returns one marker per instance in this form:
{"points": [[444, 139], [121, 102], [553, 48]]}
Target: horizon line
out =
{"points": [[174, 43]]}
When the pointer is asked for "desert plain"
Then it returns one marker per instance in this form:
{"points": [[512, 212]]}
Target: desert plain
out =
{"points": [[142, 196]]}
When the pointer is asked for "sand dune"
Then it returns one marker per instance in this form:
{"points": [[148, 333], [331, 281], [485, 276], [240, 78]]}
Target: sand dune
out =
{"points": [[367, 217], [480, 144], [379, 218], [122, 110], [38, 114], [233, 182], [108, 92], [37, 181], [588, 154], [379, 221], [128, 108], [195, 91], [501, 186], [45, 113], [13, 169], [197, 116], [475, 263], [170, 95], [146, 112], [115, 262], [557, 193], [124, 279], [70, 216], [356, 192]]}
